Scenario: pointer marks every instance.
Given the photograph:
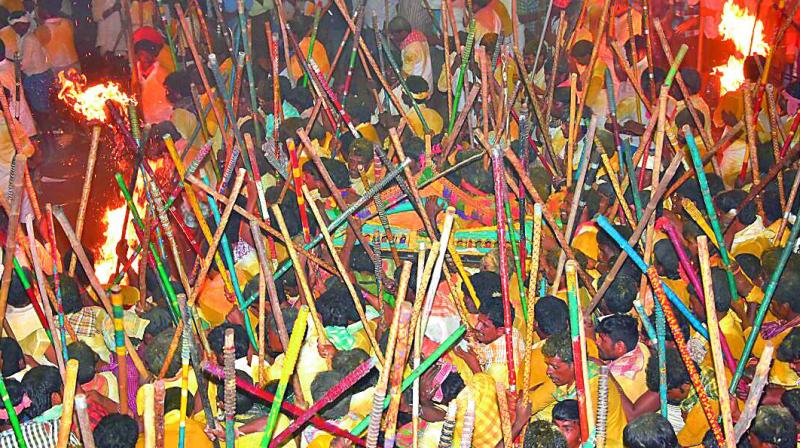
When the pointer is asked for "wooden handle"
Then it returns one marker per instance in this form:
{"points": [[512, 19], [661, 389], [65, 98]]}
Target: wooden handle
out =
{"points": [[68, 403]]}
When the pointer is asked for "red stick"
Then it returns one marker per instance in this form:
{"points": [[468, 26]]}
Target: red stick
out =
{"points": [[297, 177]]}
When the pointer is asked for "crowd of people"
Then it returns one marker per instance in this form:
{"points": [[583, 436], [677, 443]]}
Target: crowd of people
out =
{"points": [[532, 322]]}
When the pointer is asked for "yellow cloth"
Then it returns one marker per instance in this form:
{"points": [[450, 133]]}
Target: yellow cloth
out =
{"points": [[731, 327], [486, 432], [320, 56], [369, 132], [695, 425], [195, 432], [635, 387], [432, 118], [170, 382], [57, 37], [253, 440], [502, 13], [586, 241], [35, 345]]}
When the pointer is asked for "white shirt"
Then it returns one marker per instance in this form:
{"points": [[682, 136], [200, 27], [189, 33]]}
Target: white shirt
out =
{"points": [[34, 58], [8, 79]]}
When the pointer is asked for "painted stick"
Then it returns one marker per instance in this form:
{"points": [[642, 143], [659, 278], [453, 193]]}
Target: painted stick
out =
{"points": [[683, 259], [87, 186], [148, 416], [446, 345], [333, 393], [602, 407], [790, 136], [787, 211], [56, 282], [229, 358], [469, 425], [121, 352], [317, 15], [626, 209], [353, 51], [396, 374], [760, 380], [769, 291], [775, 132], [710, 210], [578, 352], [446, 438], [206, 262], [752, 138], [499, 198], [185, 335], [586, 76], [159, 393], [715, 341], [68, 403], [291, 409], [15, 185], [12, 413], [85, 425], [465, 57], [417, 355], [380, 206], [297, 178], [292, 353], [59, 215], [343, 270], [697, 216]]}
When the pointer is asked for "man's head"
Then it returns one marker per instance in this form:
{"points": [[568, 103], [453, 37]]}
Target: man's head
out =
{"points": [[582, 51], [399, 29], [543, 434], [17, 297], [773, 427], [649, 431], [155, 353], [786, 302], [43, 386], [667, 259], [244, 401], [616, 335], [146, 53], [321, 384], [490, 320], [87, 360], [557, 352], [12, 359], [678, 383], [789, 350], [565, 416], [273, 339], [216, 339], [20, 22], [116, 431], [551, 316], [620, 295]]}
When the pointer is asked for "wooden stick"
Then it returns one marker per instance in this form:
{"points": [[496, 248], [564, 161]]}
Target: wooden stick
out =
{"points": [[68, 403], [787, 211], [205, 265], [760, 379], [774, 131], [301, 278], [119, 342], [579, 354], [85, 426], [20, 162], [148, 416], [586, 76], [436, 275], [752, 138], [87, 187], [229, 358], [714, 339], [344, 272], [160, 392], [396, 375], [58, 213]]}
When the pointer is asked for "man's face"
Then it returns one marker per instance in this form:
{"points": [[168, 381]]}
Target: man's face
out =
{"points": [[678, 394], [559, 371], [145, 58], [21, 28], [571, 431], [485, 330], [606, 347]]}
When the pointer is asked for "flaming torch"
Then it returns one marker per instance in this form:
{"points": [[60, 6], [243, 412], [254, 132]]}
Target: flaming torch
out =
{"points": [[734, 20], [89, 102]]}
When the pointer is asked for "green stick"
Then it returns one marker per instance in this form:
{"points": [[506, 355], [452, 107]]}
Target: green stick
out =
{"points": [[460, 83]]}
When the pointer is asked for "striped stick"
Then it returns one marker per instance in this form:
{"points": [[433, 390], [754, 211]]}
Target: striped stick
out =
{"points": [[396, 374], [715, 340], [353, 51], [465, 57], [446, 438], [333, 393], [185, 335], [578, 352], [775, 132], [229, 358], [67, 405], [469, 425], [505, 414], [499, 198], [602, 408], [317, 15], [292, 353], [15, 187], [121, 352], [710, 210]]}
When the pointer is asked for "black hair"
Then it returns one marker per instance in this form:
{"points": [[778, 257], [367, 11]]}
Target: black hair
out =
{"points": [[667, 257], [155, 353], [321, 384], [399, 24], [361, 147], [12, 356], [160, 319], [582, 48], [147, 46], [180, 83], [451, 387], [559, 345], [301, 98], [116, 431], [620, 295], [772, 205], [775, 425], [790, 399], [543, 434], [677, 375], [360, 260], [722, 293], [789, 348], [290, 212], [87, 359], [620, 328], [692, 80], [336, 307], [40, 383], [417, 84], [552, 315], [289, 316], [659, 75], [70, 297], [493, 309], [17, 296], [336, 169], [786, 291], [750, 264], [216, 339], [172, 399], [731, 200], [345, 361], [244, 401], [605, 240], [649, 431], [487, 286], [566, 410], [15, 393]]}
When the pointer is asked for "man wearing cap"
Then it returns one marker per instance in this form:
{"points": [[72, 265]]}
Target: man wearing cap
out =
{"points": [[155, 106]]}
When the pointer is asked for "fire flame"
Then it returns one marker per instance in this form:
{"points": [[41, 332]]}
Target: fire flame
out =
{"points": [[90, 101], [106, 263], [737, 25]]}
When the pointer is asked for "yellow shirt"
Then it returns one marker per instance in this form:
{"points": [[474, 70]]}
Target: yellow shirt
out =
{"points": [[731, 327], [696, 425], [195, 432], [319, 55]]}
